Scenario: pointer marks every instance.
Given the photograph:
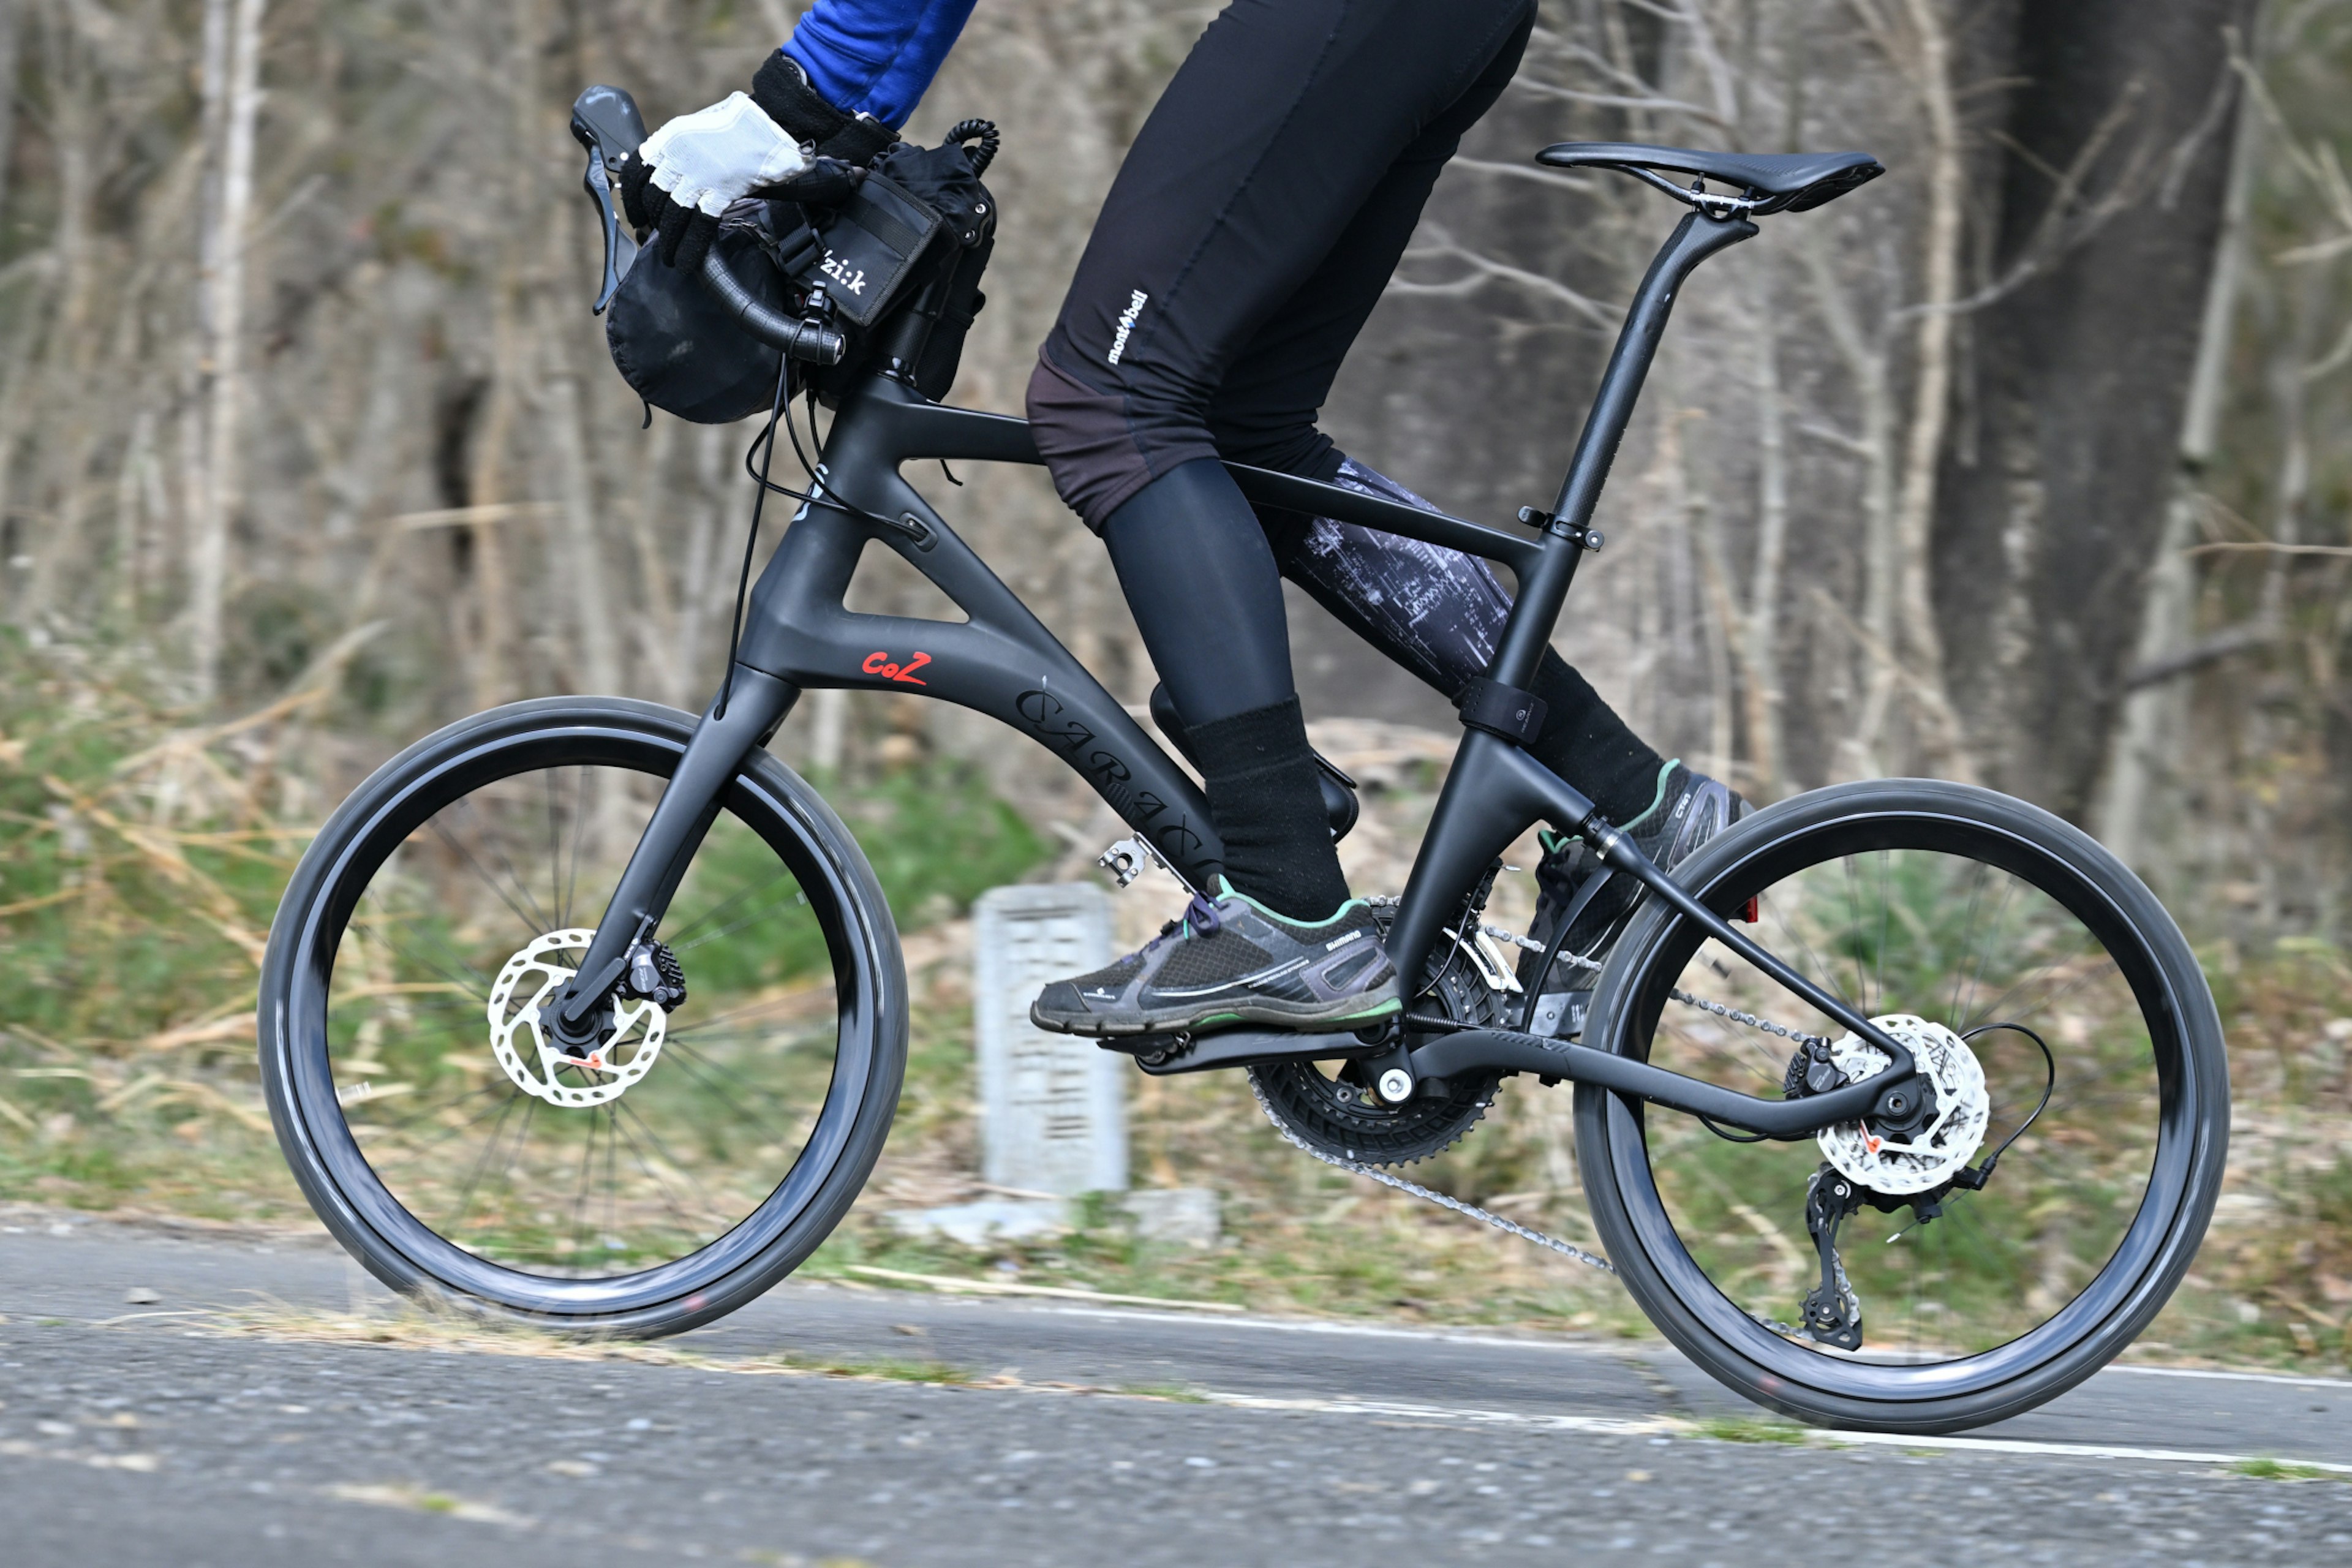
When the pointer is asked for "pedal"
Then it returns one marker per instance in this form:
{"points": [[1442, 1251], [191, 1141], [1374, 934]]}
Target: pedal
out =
{"points": [[1149, 1051], [1125, 860]]}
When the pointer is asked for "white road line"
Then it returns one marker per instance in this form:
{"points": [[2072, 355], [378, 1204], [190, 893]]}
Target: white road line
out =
{"points": [[2289, 1379], [1585, 1347], [1345, 1330], [1666, 1426]]}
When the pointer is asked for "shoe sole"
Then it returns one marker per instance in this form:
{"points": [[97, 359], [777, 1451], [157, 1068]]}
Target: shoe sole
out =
{"points": [[1305, 1023]]}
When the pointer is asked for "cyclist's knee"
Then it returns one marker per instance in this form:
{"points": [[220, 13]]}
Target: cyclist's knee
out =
{"points": [[1103, 446]]}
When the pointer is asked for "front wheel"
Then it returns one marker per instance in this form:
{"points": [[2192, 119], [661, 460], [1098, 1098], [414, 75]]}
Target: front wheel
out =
{"points": [[2048, 1198], [673, 1173]]}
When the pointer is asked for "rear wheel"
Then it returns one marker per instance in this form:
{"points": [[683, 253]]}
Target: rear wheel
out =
{"points": [[1984, 930], [662, 1180]]}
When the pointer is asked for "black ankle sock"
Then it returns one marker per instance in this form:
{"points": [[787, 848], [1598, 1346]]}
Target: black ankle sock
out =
{"points": [[1267, 803], [1585, 742]]}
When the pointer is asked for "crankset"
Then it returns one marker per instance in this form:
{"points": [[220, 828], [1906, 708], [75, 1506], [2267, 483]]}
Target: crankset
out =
{"points": [[1332, 1108]]}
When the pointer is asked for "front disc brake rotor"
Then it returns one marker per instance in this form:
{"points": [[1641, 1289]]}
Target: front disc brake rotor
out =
{"points": [[531, 1054]]}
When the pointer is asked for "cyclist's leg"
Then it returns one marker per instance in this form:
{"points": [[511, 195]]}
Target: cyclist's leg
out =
{"points": [[1437, 611], [1279, 126]]}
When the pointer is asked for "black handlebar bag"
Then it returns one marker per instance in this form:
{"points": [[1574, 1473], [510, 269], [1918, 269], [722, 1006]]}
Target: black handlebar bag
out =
{"points": [[683, 351]]}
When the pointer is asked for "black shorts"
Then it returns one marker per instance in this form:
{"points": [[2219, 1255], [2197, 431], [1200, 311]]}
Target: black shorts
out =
{"points": [[1251, 231]]}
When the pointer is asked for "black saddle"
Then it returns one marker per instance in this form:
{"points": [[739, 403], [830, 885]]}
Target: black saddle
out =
{"points": [[1776, 181]]}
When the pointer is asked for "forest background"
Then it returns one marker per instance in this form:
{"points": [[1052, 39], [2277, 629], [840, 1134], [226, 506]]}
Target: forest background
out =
{"points": [[2027, 464]]}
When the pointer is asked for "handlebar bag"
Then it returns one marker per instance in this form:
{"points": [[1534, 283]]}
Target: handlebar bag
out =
{"points": [[872, 243], [681, 351]]}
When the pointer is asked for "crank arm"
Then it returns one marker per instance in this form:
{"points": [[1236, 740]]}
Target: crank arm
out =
{"points": [[1237, 1048]]}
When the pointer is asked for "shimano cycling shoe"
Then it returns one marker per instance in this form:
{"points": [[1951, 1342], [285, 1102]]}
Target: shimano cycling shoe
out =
{"points": [[1690, 809], [1234, 960]]}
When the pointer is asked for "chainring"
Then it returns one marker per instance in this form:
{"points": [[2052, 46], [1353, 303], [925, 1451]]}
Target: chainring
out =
{"points": [[1341, 1116]]}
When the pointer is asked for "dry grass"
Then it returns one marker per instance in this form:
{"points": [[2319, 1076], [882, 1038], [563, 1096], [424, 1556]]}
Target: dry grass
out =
{"points": [[138, 861]]}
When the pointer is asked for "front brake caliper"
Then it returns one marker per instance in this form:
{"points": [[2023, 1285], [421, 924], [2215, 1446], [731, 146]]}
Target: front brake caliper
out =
{"points": [[654, 975]]}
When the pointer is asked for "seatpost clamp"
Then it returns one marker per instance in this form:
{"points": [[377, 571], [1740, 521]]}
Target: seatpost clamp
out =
{"points": [[1536, 517]]}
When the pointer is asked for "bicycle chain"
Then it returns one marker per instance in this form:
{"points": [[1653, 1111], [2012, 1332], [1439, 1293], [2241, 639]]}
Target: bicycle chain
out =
{"points": [[1513, 1227], [1797, 1036], [1439, 1199]]}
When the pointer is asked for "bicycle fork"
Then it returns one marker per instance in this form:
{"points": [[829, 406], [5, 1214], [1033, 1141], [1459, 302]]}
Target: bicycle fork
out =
{"points": [[757, 704]]}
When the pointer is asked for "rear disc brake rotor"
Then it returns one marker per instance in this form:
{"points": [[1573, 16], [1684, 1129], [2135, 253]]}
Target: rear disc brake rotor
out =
{"points": [[1926, 1159]]}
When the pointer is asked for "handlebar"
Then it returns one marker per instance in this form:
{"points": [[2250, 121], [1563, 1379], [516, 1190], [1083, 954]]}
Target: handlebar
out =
{"points": [[606, 123], [812, 339]]}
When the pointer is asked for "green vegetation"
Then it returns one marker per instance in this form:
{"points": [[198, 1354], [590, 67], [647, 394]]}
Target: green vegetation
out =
{"points": [[140, 865], [2280, 1471], [1747, 1429]]}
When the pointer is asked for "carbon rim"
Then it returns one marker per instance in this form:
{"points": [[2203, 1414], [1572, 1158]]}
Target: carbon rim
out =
{"points": [[2139, 1266], [808, 1190]]}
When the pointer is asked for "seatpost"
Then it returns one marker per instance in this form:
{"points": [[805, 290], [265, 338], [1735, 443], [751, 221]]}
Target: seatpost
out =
{"points": [[1541, 596]]}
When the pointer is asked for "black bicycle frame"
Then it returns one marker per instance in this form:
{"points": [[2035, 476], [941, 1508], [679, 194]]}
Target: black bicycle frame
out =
{"points": [[1004, 663]]}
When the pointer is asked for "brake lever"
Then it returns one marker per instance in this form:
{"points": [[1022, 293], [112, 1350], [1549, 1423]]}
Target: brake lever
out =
{"points": [[620, 250], [605, 120]]}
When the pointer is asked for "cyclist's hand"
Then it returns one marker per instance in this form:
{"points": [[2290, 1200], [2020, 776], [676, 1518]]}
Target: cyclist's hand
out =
{"points": [[687, 172]]}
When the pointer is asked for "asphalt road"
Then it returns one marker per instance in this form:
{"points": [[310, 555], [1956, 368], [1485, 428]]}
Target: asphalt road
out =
{"points": [[167, 1432]]}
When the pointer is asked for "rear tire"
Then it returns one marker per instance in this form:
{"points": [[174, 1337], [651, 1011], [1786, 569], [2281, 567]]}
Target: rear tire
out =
{"points": [[390, 888], [2008, 1307]]}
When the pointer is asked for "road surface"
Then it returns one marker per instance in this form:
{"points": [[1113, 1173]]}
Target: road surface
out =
{"points": [[228, 1421]]}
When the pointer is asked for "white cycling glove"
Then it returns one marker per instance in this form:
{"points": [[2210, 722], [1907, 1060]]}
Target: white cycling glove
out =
{"points": [[688, 172], [720, 155]]}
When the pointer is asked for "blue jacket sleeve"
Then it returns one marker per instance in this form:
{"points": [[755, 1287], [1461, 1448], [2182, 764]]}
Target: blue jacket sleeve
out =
{"points": [[876, 56]]}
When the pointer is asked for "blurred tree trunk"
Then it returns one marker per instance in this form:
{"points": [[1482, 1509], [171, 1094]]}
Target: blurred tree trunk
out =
{"points": [[224, 286], [2052, 504]]}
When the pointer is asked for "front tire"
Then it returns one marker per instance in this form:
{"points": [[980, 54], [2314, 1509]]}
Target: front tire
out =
{"points": [[1969, 909], [417, 1127]]}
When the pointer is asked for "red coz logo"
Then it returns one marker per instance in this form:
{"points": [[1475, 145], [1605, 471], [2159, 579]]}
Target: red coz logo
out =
{"points": [[878, 663]]}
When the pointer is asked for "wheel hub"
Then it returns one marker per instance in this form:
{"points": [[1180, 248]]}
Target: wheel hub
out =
{"points": [[576, 1076], [1920, 1145]]}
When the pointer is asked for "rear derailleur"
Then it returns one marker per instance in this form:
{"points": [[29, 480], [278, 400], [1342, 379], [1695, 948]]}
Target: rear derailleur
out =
{"points": [[1832, 1312]]}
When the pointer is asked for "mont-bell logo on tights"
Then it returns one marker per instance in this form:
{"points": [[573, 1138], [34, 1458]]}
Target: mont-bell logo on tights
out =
{"points": [[1135, 303]]}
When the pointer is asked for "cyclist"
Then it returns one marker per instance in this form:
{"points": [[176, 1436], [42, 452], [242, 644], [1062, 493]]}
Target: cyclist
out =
{"points": [[1245, 240]]}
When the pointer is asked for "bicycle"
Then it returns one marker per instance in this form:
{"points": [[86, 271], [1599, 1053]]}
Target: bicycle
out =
{"points": [[489, 1099]]}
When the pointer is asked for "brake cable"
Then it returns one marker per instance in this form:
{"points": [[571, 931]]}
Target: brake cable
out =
{"points": [[1975, 1179], [776, 408]]}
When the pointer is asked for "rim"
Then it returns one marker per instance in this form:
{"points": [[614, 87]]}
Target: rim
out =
{"points": [[624, 1152], [1980, 1299]]}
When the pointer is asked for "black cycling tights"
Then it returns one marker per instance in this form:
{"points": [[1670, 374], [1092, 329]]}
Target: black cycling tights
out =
{"points": [[1200, 570], [1249, 235]]}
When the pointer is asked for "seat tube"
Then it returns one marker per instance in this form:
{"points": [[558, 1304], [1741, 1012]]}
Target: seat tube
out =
{"points": [[1537, 609]]}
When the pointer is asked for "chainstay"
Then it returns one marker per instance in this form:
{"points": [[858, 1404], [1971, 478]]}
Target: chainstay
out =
{"points": [[1416, 1190], [1513, 1227]]}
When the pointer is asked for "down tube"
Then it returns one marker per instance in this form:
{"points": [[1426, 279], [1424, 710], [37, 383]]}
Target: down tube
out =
{"points": [[1017, 674]]}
